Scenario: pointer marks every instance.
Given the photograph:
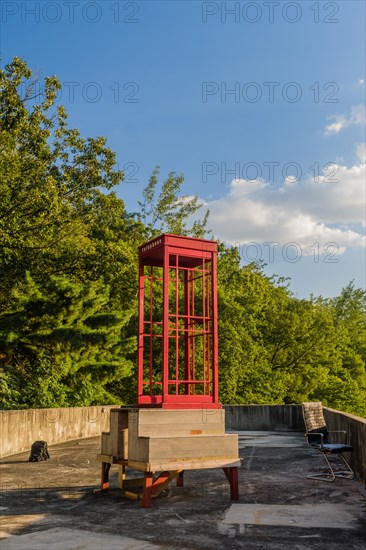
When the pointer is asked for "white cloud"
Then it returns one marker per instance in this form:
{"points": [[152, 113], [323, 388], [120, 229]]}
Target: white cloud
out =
{"points": [[357, 117], [329, 209]]}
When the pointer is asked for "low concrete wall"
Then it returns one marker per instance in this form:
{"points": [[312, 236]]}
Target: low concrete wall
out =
{"points": [[355, 427], [264, 417], [19, 429], [289, 417]]}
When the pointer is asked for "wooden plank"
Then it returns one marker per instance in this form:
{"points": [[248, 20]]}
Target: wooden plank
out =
{"points": [[118, 422], [172, 448], [166, 430], [134, 482], [140, 466], [163, 481], [138, 447], [197, 464], [123, 444], [105, 458], [163, 422], [106, 446], [121, 476], [180, 417], [110, 459]]}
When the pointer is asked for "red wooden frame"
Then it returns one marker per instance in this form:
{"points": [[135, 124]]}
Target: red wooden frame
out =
{"points": [[177, 328]]}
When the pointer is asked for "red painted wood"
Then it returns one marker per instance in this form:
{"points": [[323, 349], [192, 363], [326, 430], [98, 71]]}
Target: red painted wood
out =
{"points": [[147, 490], [163, 476], [233, 478], [180, 479], [104, 482], [181, 271]]}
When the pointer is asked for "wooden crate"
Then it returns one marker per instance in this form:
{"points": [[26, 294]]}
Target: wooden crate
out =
{"points": [[184, 439], [118, 433], [106, 444], [162, 422]]}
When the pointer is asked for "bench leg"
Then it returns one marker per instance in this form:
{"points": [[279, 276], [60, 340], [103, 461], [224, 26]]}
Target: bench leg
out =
{"points": [[147, 490], [121, 475], [233, 479], [180, 479], [104, 482]]}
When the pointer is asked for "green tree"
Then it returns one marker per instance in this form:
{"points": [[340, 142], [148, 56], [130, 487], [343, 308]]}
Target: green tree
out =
{"points": [[68, 279], [345, 386], [50, 177], [62, 346], [275, 348], [168, 211]]}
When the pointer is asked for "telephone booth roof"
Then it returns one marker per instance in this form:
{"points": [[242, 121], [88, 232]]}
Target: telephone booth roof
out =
{"points": [[190, 249]]}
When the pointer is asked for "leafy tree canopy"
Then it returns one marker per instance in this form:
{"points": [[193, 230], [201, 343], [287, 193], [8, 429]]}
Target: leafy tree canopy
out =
{"points": [[68, 279]]}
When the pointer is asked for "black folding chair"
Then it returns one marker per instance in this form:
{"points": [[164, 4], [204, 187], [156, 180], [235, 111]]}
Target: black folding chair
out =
{"points": [[317, 437]]}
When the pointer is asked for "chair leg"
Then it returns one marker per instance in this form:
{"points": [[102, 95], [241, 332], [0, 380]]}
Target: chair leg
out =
{"points": [[348, 473], [328, 476], [331, 474]]}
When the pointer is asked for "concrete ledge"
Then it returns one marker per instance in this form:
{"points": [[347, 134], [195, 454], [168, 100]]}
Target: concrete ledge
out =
{"points": [[355, 426], [19, 429], [264, 417]]}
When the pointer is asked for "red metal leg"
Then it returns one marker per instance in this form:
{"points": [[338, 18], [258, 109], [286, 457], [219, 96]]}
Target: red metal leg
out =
{"points": [[147, 490], [233, 479], [104, 482], [180, 479]]}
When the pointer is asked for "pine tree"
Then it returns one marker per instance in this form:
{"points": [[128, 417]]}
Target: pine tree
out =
{"points": [[62, 346]]}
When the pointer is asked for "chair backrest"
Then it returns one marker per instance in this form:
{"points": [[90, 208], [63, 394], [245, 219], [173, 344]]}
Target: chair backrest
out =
{"points": [[314, 422], [313, 416]]}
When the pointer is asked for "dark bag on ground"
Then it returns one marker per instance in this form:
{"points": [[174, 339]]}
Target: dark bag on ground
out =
{"points": [[39, 451]]}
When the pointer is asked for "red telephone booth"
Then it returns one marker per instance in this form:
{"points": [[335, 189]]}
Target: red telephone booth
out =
{"points": [[177, 333]]}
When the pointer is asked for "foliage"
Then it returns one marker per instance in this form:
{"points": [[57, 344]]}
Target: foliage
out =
{"points": [[68, 280], [169, 212], [62, 346]]}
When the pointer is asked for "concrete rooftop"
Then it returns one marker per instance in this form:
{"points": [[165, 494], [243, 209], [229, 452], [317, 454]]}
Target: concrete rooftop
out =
{"points": [[56, 504]]}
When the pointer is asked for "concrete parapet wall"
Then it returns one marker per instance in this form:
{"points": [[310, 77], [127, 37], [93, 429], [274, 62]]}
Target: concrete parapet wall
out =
{"points": [[19, 429], [355, 427], [264, 417]]}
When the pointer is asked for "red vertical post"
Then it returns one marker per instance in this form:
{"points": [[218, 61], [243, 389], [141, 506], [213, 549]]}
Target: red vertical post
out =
{"points": [[176, 325], [104, 479], [180, 479], [151, 332], [204, 324], [187, 343], [209, 323], [165, 324], [215, 346], [193, 333], [147, 489], [233, 478], [140, 352]]}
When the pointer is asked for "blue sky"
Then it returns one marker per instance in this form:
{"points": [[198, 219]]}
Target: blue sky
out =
{"points": [[252, 101]]}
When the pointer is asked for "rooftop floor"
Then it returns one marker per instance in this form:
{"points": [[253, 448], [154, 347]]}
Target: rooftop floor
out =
{"points": [[57, 505]]}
